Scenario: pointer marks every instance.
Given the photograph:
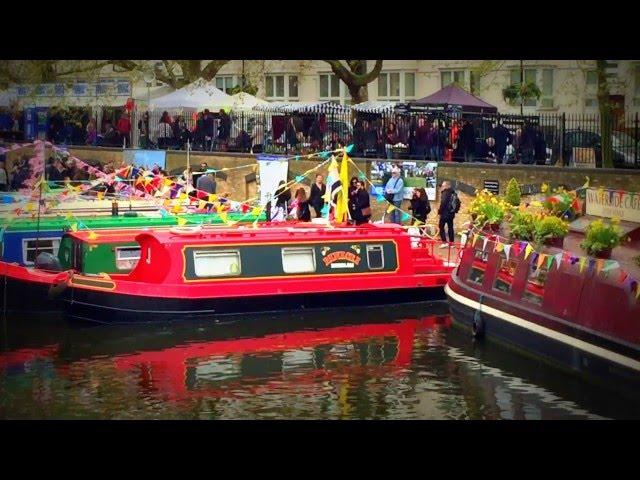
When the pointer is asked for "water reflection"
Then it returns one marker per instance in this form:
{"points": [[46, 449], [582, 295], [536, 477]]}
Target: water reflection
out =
{"points": [[394, 362]]}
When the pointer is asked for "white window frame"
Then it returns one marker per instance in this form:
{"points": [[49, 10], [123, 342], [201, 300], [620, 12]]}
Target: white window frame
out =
{"points": [[214, 253], [403, 91], [55, 245], [370, 248], [539, 75], [343, 96], [227, 78], [287, 94], [120, 259], [636, 84], [453, 71], [291, 250]]}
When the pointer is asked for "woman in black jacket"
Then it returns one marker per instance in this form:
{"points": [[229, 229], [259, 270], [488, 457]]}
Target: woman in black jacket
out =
{"points": [[420, 205], [316, 197], [303, 211]]}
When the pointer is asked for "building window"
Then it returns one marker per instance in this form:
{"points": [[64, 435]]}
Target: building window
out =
{"points": [[329, 87], [42, 245], [127, 257], [543, 78], [396, 86], [447, 77], [591, 102], [223, 263], [281, 87], [636, 85], [298, 260], [592, 78], [504, 275], [534, 289], [474, 82], [226, 83], [375, 257], [478, 267]]}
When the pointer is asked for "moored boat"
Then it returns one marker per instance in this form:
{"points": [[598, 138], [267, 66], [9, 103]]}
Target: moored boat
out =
{"points": [[565, 313], [193, 272]]}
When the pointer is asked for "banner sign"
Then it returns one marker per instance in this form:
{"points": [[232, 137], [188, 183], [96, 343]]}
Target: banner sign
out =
{"points": [[614, 203], [271, 172]]}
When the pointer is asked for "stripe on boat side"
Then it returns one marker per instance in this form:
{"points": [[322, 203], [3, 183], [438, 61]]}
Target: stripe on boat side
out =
{"points": [[547, 332]]}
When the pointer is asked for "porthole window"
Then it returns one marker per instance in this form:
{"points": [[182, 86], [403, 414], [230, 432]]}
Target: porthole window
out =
{"points": [[298, 260], [223, 263], [375, 257]]}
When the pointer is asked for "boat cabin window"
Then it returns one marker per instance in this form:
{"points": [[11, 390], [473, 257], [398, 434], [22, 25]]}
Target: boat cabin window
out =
{"points": [[298, 260], [127, 257], [534, 288], [30, 245], [504, 275], [375, 257], [478, 267], [221, 263]]}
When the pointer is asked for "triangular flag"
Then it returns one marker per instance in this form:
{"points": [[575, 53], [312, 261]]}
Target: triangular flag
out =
{"points": [[92, 235], [527, 251], [100, 195], [610, 265], [599, 265], [507, 249], [182, 221], [516, 249], [74, 227], [213, 197], [582, 262], [202, 204], [498, 247], [166, 203], [223, 216], [592, 264], [391, 208], [623, 276], [176, 209], [182, 196], [558, 259], [256, 211], [550, 259], [484, 243], [475, 239], [541, 259]]}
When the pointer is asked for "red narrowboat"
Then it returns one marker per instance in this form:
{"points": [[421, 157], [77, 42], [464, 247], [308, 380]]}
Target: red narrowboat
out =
{"points": [[194, 273], [570, 315]]}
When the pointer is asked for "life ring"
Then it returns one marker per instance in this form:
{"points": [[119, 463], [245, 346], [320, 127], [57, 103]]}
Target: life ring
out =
{"points": [[477, 323], [186, 230]]}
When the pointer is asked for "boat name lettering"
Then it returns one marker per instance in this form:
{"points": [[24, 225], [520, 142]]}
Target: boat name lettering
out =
{"points": [[341, 255]]}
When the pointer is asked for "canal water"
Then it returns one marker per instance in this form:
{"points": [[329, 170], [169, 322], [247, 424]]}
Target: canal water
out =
{"points": [[397, 362]]}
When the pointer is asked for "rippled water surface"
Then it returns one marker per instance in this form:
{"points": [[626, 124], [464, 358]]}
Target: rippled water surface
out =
{"points": [[401, 362]]}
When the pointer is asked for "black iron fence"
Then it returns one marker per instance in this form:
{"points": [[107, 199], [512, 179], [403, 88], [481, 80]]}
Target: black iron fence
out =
{"points": [[543, 139]]}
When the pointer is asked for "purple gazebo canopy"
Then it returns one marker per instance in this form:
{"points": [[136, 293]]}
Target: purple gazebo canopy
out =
{"points": [[454, 96]]}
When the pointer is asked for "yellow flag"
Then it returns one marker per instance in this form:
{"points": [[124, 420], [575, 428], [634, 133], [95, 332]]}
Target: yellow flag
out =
{"points": [[219, 207], [342, 202], [527, 251], [475, 239], [202, 204], [29, 207], [182, 221], [223, 216], [68, 216], [582, 262], [100, 195], [168, 182], [391, 208], [92, 235], [167, 202], [182, 196], [176, 209], [231, 223], [499, 247], [213, 197], [74, 227], [256, 211]]}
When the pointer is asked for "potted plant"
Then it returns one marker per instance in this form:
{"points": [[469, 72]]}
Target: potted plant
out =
{"points": [[522, 226], [601, 238], [550, 230], [512, 194]]}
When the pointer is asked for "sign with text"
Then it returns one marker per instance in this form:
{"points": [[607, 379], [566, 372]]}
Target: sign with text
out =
{"points": [[493, 186], [584, 157], [614, 203]]}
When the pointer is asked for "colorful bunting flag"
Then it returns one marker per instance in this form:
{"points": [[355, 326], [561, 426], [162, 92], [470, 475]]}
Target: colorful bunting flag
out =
{"points": [[182, 221], [541, 259], [527, 251], [484, 243], [582, 262]]}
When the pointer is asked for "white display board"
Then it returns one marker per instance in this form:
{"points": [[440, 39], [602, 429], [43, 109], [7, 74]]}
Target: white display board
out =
{"points": [[271, 172], [614, 203], [413, 169]]}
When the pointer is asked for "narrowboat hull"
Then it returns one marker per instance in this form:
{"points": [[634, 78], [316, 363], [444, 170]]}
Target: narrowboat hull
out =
{"points": [[104, 307], [589, 356]]}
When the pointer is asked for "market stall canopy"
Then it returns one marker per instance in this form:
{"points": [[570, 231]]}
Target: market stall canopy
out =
{"points": [[246, 101], [454, 97], [302, 107], [197, 95], [374, 107]]}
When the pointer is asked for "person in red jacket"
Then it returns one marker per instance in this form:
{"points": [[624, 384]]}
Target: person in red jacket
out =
{"points": [[124, 127]]}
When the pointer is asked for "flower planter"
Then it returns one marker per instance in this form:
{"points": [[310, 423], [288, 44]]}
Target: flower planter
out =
{"points": [[606, 253], [491, 228], [557, 242]]}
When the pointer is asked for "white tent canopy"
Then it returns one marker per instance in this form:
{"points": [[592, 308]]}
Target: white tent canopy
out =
{"points": [[246, 101], [374, 107], [197, 95]]}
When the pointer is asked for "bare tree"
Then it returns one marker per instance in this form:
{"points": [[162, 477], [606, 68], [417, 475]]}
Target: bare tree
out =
{"points": [[175, 73], [355, 76]]}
